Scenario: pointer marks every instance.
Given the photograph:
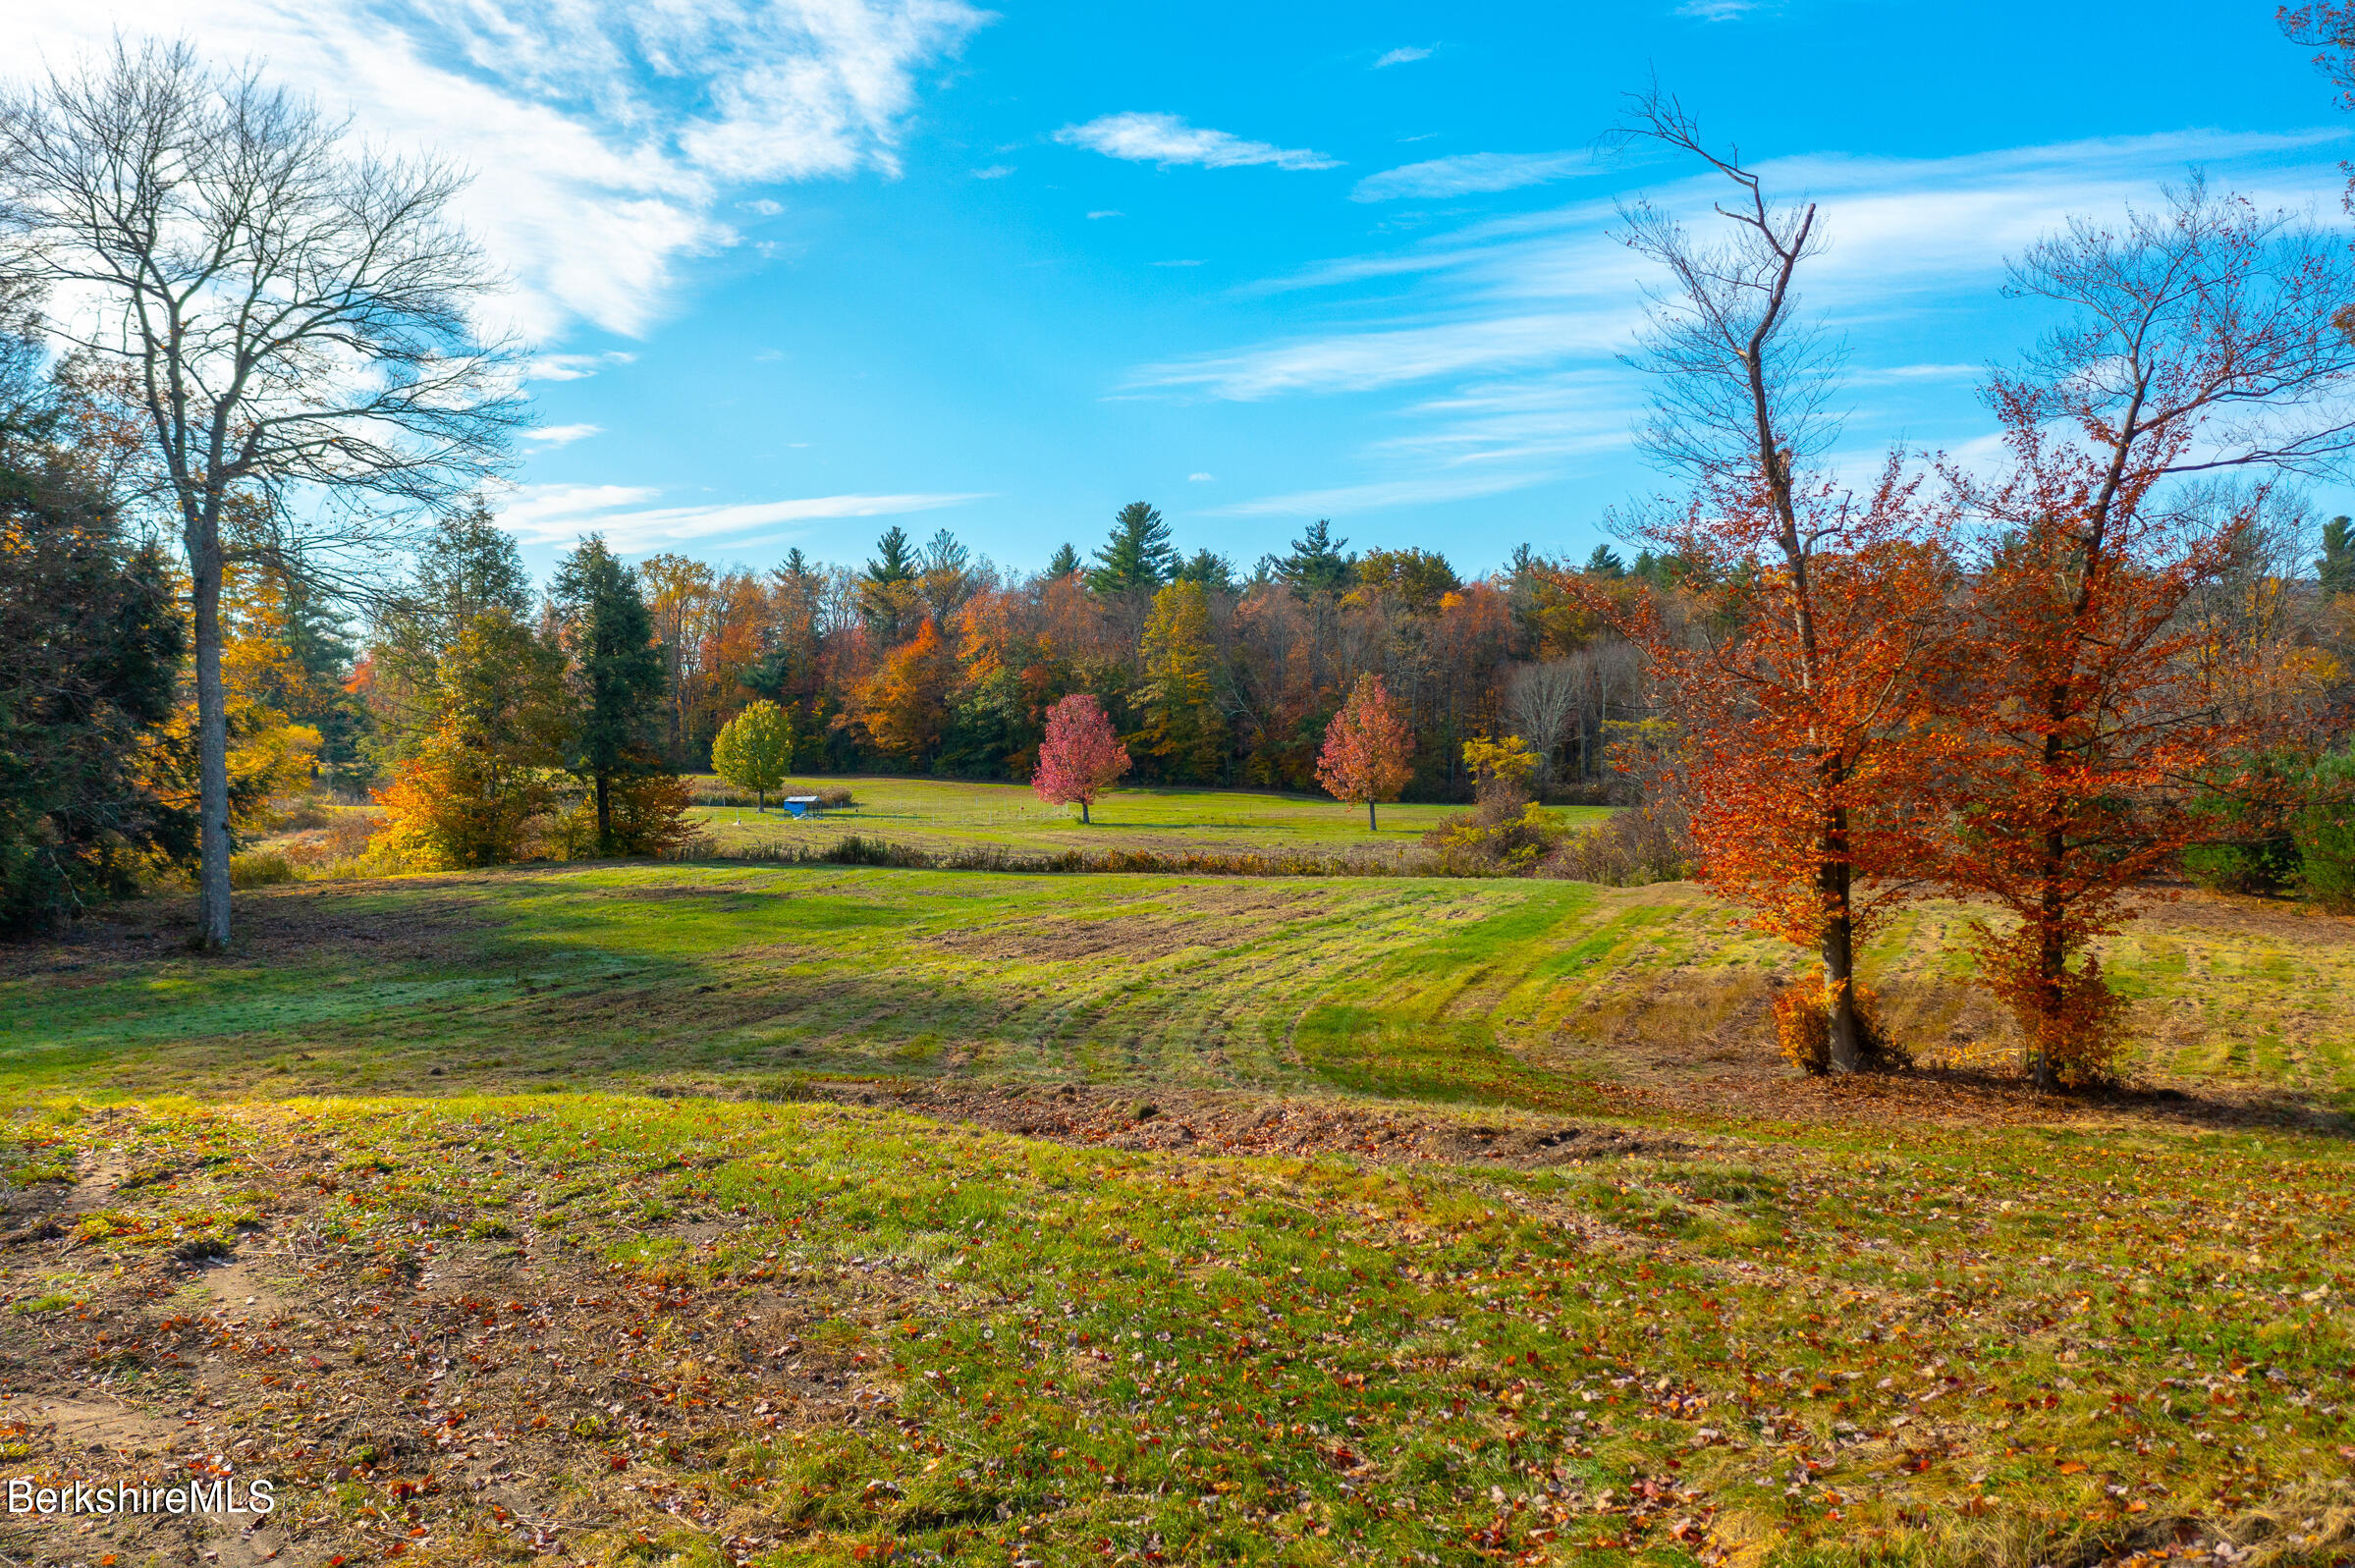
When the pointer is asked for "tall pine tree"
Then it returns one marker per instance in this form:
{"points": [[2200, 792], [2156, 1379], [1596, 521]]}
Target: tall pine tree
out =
{"points": [[617, 676], [1138, 558]]}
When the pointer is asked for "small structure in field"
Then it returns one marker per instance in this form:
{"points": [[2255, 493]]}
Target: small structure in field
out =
{"points": [[804, 805]]}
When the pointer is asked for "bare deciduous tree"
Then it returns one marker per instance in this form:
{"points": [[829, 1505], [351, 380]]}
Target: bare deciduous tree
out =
{"points": [[295, 314], [1541, 700]]}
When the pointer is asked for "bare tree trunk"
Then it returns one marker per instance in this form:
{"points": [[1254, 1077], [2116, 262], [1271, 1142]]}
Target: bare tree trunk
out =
{"points": [[1370, 824], [604, 815], [1084, 813], [2051, 971], [212, 742], [1834, 879]]}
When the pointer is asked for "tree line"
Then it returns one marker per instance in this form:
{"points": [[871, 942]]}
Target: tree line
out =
{"points": [[928, 660]]}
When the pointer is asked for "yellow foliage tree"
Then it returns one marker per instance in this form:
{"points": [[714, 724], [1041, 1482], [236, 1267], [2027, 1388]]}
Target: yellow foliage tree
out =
{"points": [[1184, 728], [472, 794]]}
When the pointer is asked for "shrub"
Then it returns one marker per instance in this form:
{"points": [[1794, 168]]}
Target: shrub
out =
{"points": [[2254, 849], [2323, 834], [1499, 840], [1803, 1030], [1634, 846], [1507, 832], [305, 812], [259, 868], [332, 849], [649, 818], [2077, 1037], [453, 806]]}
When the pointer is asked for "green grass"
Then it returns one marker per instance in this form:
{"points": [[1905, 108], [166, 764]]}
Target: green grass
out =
{"points": [[1805, 1327], [1986, 1347], [1508, 992], [934, 814]]}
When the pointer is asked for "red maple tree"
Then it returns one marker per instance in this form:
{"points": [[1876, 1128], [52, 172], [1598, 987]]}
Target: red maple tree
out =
{"points": [[1080, 757], [2095, 694], [1366, 747]]}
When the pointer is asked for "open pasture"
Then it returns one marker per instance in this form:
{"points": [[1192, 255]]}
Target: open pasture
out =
{"points": [[720, 977], [738, 1213], [942, 814]]}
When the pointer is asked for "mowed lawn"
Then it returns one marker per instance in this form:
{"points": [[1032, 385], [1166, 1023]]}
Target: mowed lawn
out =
{"points": [[935, 814], [529, 1233], [722, 977]]}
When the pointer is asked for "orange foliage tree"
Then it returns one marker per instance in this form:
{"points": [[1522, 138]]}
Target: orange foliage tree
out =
{"points": [[905, 703], [1366, 749], [2094, 696], [1797, 682]]}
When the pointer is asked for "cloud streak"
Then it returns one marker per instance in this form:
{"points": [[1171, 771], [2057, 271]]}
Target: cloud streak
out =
{"points": [[560, 513], [1471, 174], [1527, 312], [1168, 140]]}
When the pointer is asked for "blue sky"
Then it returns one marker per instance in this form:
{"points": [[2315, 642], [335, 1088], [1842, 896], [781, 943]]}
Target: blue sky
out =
{"points": [[800, 270]]}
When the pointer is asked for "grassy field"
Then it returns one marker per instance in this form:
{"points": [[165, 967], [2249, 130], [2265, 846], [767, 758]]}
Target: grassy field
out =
{"points": [[934, 814], [733, 1214]]}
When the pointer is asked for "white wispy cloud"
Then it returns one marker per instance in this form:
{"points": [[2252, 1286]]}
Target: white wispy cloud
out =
{"points": [[1403, 56], [572, 366], [1717, 10], [996, 170], [1200, 478], [1165, 140], [558, 514], [562, 435], [1472, 173], [1366, 360], [1525, 315], [633, 122]]}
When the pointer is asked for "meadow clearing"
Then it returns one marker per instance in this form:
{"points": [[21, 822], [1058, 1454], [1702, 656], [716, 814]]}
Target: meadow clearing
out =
{"points": [[729, 1213], [936, 815]]}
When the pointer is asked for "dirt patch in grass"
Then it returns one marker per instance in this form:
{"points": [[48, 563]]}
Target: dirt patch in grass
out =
{"points": [[1235, 1123], [2240, 915], [1218, 916], [490, 1395], [297, 922]]}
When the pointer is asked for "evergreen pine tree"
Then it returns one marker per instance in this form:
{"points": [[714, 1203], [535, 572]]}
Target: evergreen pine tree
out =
{"points": [[1316, 565], [617, 674], [2336, 568], [1065, 561], [887, 590], [894, 562], [1213, 573], [1138, 557]]}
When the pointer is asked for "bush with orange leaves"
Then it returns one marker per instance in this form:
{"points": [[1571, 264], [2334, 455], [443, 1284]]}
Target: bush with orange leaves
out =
{"points": [[1803, 1029]]}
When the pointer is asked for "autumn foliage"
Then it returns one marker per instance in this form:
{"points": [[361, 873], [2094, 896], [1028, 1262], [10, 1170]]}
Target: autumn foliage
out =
{"points": [[1799, 669], [1080, 757], [1367, 748], [2096, 691]]}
